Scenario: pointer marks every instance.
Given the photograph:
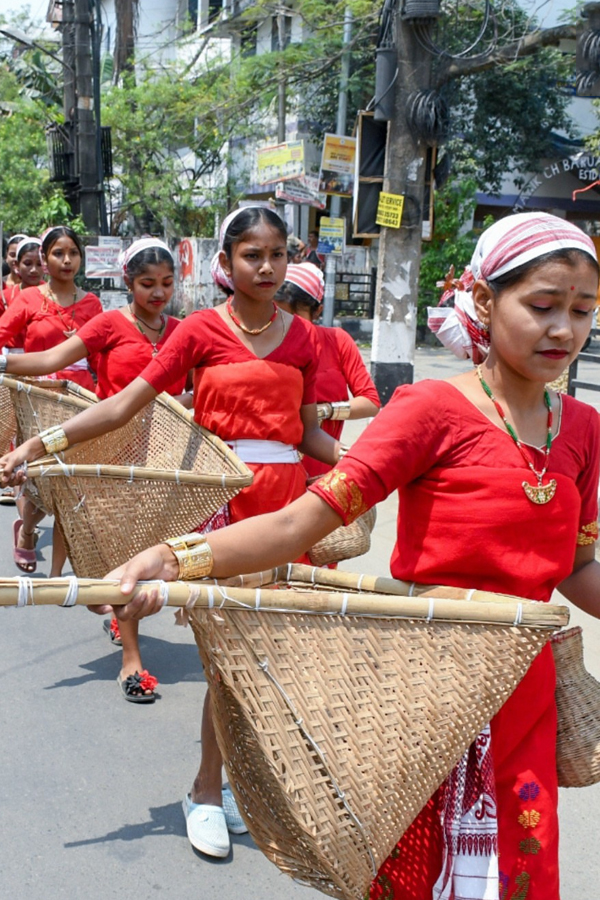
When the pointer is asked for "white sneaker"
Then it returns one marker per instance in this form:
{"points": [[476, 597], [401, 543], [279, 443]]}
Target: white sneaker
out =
{"points": [[206, 827], [235, 823]]}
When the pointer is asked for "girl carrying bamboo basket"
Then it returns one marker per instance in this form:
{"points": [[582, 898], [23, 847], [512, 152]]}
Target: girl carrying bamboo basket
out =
{"points": [[254, 386], [497, 479]]}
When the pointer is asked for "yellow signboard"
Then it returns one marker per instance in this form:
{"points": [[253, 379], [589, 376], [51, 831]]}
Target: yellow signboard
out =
{"points": [[337, 165], [389, 210], [280, 162]]}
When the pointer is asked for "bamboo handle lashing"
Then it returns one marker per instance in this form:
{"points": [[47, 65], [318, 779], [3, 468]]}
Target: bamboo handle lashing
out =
{"points": [[494, 610]]}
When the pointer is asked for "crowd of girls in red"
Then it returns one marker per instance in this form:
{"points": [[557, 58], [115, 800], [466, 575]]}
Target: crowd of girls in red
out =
{"points": [[255, 376], [497, 478]]}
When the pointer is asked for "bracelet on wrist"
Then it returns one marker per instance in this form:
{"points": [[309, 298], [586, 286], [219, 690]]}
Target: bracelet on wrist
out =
{"points": [[54, 439], [3, 363], [343, 450], [340, 410], [193, 555], [324, 411]]}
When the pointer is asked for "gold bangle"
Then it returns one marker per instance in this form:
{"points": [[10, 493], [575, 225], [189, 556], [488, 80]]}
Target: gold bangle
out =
{"points": [[340, 410], [193, 554], [54, 439]]}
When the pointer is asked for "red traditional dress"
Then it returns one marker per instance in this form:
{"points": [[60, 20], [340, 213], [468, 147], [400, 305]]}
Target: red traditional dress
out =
{"points": [[45, 324], [9, 293], [340, 367], [240, 397], [119, 352], [464, 520]]}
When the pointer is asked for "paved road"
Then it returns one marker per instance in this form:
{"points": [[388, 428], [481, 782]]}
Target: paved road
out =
{"points": [[91, 786]]}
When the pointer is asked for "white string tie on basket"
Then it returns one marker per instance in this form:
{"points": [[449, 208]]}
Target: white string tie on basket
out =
{"points": [[72, 591], [290, 569], [182, 616], [79, 505], [163, 591], [344, 605], [25, 591], [470, 594], [177, 482], [360, 581], [223, 480], [299, 722], [257, 599], [431, 609], [411, 589], [131, 469], [519, 614], [98, 471]]}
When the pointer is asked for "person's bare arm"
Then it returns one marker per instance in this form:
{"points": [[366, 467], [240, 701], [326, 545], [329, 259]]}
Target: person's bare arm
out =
{"points": [[47, 361], [99, 419], [254, 545], [582, 587], [316, 442]]}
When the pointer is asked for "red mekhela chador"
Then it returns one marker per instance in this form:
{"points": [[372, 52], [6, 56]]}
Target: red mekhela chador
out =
{"points": [[44, 324], [241, 397], [465, 521]]}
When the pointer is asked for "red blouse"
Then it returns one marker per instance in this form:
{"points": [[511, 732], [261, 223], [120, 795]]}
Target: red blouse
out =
{"points": [[340, 367], [237, 394], [119, 352], [464, 519], [44, 322]]}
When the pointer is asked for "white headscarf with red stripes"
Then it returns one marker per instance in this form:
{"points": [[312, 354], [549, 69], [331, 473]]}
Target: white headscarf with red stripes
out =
{"points": [[507, 244]]}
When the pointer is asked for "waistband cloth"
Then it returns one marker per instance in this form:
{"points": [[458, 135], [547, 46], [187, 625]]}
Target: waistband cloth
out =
{"points": [[264, 451]]}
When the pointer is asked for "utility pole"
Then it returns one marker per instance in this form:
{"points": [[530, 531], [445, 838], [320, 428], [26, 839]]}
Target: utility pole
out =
{"points": [[335, 203], [69, 99], [86, 126], [395, 324]]}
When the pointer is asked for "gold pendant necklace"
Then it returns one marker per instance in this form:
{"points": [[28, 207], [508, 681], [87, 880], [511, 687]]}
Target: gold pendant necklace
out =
{"points": [[540, 493], [68, 332]]}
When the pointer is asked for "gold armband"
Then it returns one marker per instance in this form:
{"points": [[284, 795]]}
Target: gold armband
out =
{"points": [[54, 439], [340, 410], [193, 555]]}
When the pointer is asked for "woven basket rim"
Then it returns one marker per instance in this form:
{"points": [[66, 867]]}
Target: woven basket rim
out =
{"points": [[486, 609], [29, 387], [47, 467]]}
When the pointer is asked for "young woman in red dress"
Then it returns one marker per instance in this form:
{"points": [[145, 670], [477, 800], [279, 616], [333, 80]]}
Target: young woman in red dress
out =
{"points": [[341, 368], [254, 386], [44, 316], [497, 480], [28, 268], [13, 277], [120, 344]]}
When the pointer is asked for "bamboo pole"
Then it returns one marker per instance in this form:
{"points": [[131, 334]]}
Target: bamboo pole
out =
{"points": [[487, 608], [48, 468]]}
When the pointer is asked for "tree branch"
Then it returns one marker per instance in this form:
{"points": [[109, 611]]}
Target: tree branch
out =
{"points": [[502, 56]]}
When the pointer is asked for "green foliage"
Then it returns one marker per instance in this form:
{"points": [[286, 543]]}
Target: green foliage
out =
{"points": [[25, 188], [453, 241]]}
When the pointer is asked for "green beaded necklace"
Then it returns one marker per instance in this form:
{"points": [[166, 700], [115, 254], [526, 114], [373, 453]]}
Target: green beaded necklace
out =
{"points": [[542, 493]]}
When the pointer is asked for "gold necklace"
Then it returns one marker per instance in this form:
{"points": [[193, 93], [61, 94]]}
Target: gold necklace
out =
{"points": [[136, 321], [243, 328], [542, 493], [68, 332]]}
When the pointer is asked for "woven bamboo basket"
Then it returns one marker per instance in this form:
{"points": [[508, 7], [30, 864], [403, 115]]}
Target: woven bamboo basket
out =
{"points": [[578, 704], [340, 702], [32, 405], [159, 475], [346, 542]]}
